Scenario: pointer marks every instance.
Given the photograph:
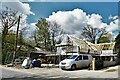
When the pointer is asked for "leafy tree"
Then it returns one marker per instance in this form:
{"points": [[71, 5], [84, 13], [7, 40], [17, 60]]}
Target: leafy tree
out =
{"points": [[9, 45], [106, 38], [117, 39], [91, 33], [8, 19], [43, 35], [0, 48], [117, 46]]}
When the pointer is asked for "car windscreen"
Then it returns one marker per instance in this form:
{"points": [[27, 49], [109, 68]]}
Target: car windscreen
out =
{"points": [[72, 57]]}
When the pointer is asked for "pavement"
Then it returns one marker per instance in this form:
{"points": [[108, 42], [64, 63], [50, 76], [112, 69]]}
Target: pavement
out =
{"points": [[11, 73]]}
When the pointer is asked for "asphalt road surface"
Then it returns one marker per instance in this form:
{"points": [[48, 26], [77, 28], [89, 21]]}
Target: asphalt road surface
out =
{"points": [[16, 75], [50, 74]]}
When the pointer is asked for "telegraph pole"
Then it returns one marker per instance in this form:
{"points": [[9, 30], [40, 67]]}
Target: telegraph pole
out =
{"points": [[16, 40]]}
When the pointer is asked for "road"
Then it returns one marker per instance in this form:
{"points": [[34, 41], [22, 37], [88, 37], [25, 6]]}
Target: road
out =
{"points": [[55, 73], [12, 74]]}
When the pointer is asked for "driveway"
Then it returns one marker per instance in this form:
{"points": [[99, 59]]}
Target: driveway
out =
{"points": [[9, 73]]}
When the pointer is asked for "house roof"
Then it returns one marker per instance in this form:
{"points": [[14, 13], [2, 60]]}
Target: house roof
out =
{"points": [[83, 44], [105, 46], [40, 51]]}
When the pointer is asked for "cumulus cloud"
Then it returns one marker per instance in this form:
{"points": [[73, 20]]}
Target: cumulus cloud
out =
{"points": [[95, 20], [29, 32], [113, 26], [74, 21], [70, 21], [18, 6], [23, 10], [113, 17]]}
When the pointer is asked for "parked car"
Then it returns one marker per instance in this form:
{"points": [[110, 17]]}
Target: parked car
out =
{"points": [[76, 61]]}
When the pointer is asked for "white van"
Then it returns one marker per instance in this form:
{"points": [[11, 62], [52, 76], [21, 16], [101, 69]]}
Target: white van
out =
{"points": [[76, 61]]}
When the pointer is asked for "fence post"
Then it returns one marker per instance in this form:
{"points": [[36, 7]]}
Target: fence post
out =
{"points": [[93, 64]]}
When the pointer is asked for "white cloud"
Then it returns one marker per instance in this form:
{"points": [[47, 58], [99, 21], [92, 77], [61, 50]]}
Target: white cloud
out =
{"points": [[113, 26], [70, 21], [18, 6], [113, 17], [23, 9], [95, 20], [74, 21], [30, 32]]}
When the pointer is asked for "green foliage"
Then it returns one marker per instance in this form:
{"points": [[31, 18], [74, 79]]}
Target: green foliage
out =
{"points": [[106, 38], [117, 47], [117, 39], [8, 19], [117, 44], [42, 35], [9, 45], [111, 70]]}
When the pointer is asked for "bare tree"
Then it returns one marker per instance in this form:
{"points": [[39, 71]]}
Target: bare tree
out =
{"points": [[91, 33], [8, 18], [55, 30]]}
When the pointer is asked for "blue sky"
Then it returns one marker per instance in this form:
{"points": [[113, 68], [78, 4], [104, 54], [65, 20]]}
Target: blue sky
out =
{"points": [[44, 9], [72, 16]]}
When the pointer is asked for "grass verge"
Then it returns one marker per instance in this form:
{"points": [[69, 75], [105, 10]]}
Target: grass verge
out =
{"points": [[111, 70]]}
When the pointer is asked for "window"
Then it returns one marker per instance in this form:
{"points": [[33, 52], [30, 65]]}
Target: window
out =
{"points": [[79, 58], [64, 48], [72, 57], [85, 57]]}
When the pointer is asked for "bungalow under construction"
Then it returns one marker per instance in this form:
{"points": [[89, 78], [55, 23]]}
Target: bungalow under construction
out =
{"points": [[71, 45]]}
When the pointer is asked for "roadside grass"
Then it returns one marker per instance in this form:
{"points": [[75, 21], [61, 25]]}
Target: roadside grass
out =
{"points": [[111, 70]]}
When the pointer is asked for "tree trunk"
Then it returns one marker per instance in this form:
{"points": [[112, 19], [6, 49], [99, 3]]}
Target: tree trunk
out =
{"points": [[53, 42], [4, 51], [4, 34]]}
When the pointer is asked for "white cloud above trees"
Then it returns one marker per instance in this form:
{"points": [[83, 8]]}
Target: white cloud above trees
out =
{"points": [[70, 21], [18, 6], [74, 21], [23, 10]]}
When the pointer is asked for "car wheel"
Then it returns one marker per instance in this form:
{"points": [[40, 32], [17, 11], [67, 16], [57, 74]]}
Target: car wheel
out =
{"points": [[73, 67], [62, 68], [89, 66]]}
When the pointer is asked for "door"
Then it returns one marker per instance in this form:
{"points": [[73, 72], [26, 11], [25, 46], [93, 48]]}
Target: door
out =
{"points": [[79, 61], [85, 61]]}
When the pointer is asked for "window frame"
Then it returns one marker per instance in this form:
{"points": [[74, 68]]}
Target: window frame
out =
{"points": [[85, 57]]}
